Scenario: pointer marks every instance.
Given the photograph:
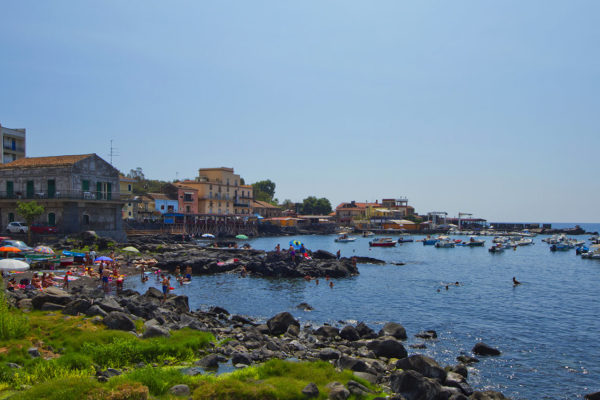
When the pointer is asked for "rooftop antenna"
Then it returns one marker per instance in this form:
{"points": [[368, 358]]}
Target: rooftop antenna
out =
{"points": [[113, 152]]}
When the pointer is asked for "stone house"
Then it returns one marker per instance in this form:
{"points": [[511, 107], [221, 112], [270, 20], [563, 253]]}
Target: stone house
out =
{"points": [[78, 192]]}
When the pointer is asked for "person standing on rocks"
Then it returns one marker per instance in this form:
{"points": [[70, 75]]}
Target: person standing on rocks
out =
{"points": [[105, 276], [338, 254], [165, 287]]}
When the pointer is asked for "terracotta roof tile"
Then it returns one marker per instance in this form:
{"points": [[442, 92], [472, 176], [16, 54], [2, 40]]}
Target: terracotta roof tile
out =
{"points": [[52, 161]]}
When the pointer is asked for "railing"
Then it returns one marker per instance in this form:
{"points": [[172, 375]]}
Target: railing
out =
{"points": [[61, 194], [18, 149], [241, 204]]}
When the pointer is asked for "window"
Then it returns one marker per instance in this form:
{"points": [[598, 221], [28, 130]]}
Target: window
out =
{"points": [[129, 204], [9, 188], [51, 219], [187, 197], [187, 209], [86, 219], [210, 187], [11, 217], [162, 207], [85, 185], [129, 187], [129, 213]]}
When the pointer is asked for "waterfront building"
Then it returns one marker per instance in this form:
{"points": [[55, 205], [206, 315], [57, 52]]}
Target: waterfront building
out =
{"points": [[220, 192], [266, 210], [13, 144], [78, 192], [187, 197], [345, 213], [164, 204], [126, 190], [145, 209]]}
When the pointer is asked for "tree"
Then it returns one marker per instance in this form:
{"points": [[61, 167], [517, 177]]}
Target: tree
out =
{"points": [[29, 210], [136, 174], [264, 190], [288, 205], [414, 218], [312, 205]]}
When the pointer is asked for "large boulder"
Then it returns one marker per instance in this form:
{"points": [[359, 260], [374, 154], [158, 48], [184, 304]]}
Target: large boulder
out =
{"points": [[280, 323], [487, 395], [365, 331], [424, 365], [323, 255], [388, 348], [51, 295], [119, 321], [393, 329], [156, 331], [349, 333], [483, 349], [328, 353], [327, 331], [414, 386], [592, 396], [109, 304], [352, 364], [95, 310], [337, 391], [77, 306], [179, 303]]}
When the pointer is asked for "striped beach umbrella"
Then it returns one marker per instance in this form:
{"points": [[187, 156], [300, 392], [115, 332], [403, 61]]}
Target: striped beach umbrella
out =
{"points": [[43, 250]]}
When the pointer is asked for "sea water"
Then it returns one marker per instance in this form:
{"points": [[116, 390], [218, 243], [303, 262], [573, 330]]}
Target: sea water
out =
{"points": [[547, 328]]}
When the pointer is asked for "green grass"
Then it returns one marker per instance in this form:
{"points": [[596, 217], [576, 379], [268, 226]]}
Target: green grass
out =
{"points": [[275, 379], [13, 323]]}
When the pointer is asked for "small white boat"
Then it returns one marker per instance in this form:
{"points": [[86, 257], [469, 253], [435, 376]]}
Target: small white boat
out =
{"points": [[344, 238], [444, 244], [368, 233], [524, 241]]}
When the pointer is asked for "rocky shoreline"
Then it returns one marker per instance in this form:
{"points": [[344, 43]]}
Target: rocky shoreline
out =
{"points": [[378, 357]]}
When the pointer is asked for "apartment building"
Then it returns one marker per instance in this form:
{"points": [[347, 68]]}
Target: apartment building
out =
{"points": [[13, 144]]}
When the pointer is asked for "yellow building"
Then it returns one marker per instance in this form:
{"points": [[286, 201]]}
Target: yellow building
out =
{"points": [[220, 192], [126, 188]]}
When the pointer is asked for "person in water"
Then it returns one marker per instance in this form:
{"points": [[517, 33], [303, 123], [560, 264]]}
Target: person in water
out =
{"points": [[515, 281]]}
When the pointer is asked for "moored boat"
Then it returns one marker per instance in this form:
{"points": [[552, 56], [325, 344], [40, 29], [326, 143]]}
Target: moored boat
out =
{"points": [[383, 242], [344, 238], [498, 248], [444, 244], [405, 239]]}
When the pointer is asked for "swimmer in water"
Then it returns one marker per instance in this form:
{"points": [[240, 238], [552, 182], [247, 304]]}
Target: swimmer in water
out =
{"points": [[515, 281]]}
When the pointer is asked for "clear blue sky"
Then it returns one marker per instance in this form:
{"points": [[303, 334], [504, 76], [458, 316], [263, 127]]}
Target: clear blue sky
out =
{"points": [[488, 107]]}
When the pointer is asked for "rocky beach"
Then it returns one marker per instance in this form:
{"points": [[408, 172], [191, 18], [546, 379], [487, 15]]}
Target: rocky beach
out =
{"points": [[379, 358]]}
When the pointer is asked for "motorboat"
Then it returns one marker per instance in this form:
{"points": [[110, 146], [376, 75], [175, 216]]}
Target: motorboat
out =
{"points": [[444, 244], [367, 234], [524, 241], [591, 254], [405, 239], [344, 238], [474, 242], [561, 247], [429, 241], [383, 242], [498, 248]]}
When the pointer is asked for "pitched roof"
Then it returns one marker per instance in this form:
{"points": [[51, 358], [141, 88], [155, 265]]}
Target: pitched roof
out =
{"points": [[52, 161], [159, 196], [262, 204]]}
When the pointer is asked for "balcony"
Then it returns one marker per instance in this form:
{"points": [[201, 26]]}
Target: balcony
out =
{"points": [[16, 149], [60, 195], [241, 204]]}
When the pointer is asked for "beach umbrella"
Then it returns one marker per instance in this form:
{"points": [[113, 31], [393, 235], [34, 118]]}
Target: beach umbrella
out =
{"points": [[10, 249], [242, 237], [296, 244], [208, 235], [44, 250], [131, 249], [9, 264], [103, 258]]}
